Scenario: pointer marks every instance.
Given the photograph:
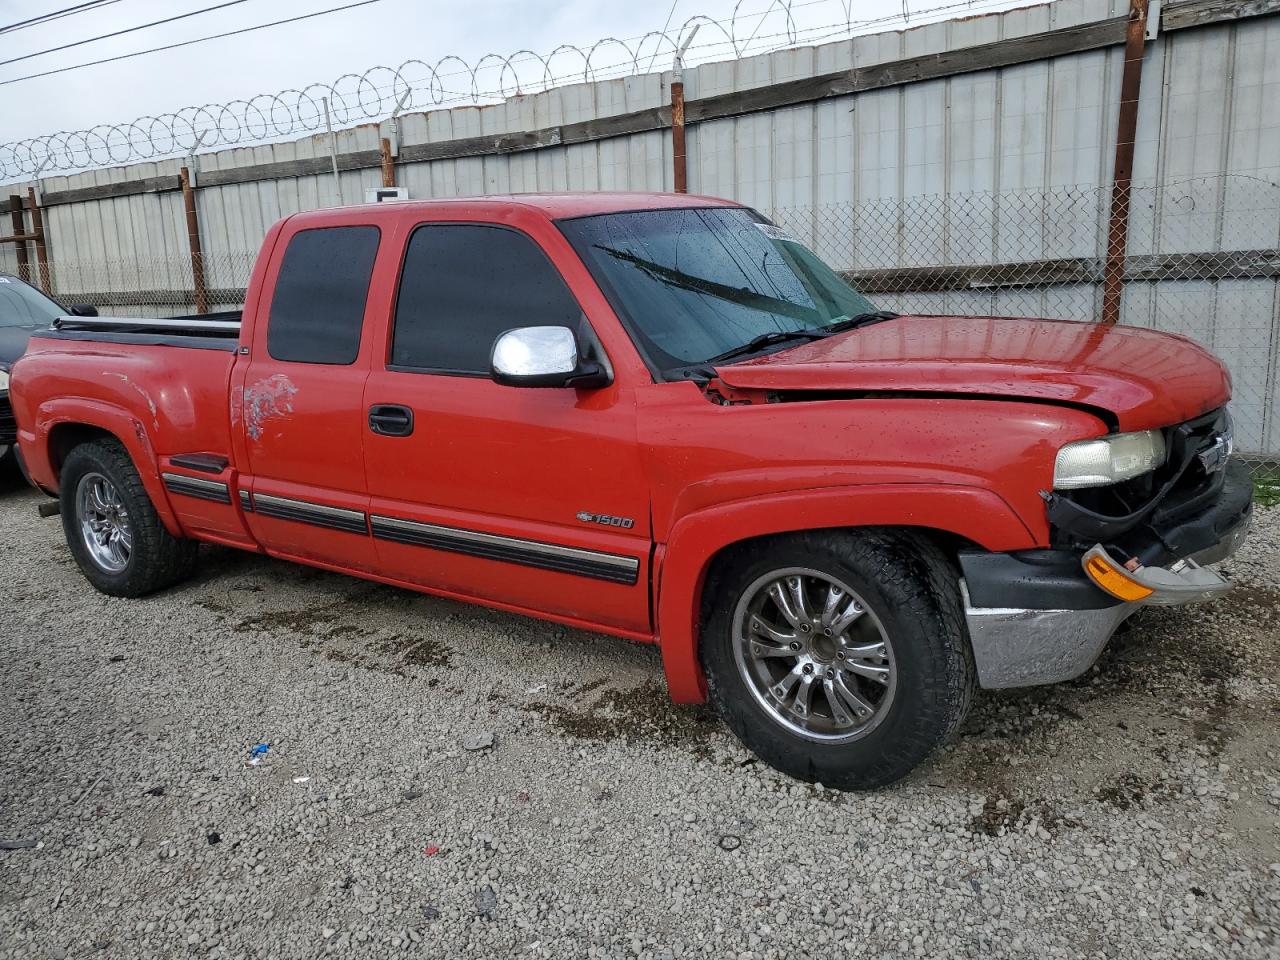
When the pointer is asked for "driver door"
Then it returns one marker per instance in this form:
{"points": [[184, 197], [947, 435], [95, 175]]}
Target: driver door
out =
{"points": [[532, 498]]}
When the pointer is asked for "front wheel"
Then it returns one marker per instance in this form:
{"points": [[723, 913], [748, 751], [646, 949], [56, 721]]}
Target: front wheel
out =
{"points": [[839, 656], [112, 527]]}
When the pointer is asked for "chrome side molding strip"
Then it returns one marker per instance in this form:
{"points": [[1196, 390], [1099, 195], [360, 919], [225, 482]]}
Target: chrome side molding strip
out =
{"points": [[595, 564], [316, 514], [196, 487], [610, 567]]}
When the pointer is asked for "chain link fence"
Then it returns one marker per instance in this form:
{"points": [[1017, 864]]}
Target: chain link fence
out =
{"points": [[154, 287], [1202, 260]]}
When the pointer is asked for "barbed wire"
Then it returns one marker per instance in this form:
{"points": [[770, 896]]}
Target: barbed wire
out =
{"points": [[374, 93]]}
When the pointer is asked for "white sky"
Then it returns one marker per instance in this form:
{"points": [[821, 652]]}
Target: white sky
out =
{"points": [[386, 32]]}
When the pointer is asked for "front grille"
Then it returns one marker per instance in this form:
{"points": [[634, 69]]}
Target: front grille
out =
{"points": [[1201, 481], [1191, 478], [8, 425]]}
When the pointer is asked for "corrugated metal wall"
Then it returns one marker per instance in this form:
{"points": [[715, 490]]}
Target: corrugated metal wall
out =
{"points": [[996, 166]]}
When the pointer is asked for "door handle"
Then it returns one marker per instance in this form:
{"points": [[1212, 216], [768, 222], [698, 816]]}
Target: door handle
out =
{"points": [[390, 420]]}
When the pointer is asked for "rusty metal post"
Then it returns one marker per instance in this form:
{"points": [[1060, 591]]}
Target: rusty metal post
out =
{"points": [[679, 159], [1135, 43], [388, 167], [193, 240], [19, 234], [680, 173], [37, 232]]}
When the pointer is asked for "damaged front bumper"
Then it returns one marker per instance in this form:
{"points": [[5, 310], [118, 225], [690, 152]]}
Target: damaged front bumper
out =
{"points": [[1038, 617]]}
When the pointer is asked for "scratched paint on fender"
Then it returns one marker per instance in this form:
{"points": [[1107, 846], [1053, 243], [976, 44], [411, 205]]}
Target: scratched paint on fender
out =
{"points": [[265, 400], [146, 397]]}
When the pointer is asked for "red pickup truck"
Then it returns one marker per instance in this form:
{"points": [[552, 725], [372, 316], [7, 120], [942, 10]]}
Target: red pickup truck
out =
{"points": [[663, 418]]}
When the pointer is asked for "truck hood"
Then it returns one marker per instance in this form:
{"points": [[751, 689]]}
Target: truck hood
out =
{"points": [[1143, 378]]}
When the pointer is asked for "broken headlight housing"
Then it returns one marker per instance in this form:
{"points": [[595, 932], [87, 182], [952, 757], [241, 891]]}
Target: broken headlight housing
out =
{"points": [[1108, 460]]}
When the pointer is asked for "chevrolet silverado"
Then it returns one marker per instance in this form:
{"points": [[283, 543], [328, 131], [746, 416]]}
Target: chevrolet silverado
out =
{"points": [[659, 417]]}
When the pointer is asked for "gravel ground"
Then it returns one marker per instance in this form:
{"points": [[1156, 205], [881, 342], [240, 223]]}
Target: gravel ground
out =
{"points": [[1132, 813]]}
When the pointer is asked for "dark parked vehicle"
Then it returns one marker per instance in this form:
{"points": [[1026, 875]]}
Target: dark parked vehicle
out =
{"points": [[23, 309]]}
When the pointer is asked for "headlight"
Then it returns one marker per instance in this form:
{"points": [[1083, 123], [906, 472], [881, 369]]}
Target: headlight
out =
{"points": [[4, 378], [1096, 463]]}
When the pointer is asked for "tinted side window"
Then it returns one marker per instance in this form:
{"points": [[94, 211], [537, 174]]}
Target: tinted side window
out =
{"points": [[463, 286], [317, 311]]}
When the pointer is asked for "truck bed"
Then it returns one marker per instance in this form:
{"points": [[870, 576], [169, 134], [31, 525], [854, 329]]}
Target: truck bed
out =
{"points": [[126, 370]]}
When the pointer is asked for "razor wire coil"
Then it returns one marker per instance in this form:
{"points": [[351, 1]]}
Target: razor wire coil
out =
{"points": [[374, 93]]}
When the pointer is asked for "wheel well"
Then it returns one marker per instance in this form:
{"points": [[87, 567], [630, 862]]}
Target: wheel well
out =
{"points": [[65, 437], [949, 543]]}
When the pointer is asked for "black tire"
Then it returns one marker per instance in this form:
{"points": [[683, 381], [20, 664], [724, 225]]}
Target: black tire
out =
{"points": [[913, 591], [157, 559]]}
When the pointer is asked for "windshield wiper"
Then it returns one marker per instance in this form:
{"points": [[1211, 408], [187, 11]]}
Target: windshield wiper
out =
{"points": [[809, 333], [859, 320], [766, 340]]}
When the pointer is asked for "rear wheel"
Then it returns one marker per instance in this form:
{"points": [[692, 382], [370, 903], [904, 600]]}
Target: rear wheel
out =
{"points": [[839, 656], [112, 527]]}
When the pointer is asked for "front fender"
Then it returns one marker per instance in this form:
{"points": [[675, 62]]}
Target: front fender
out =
{"points": [[118, 422], [974, 513]]}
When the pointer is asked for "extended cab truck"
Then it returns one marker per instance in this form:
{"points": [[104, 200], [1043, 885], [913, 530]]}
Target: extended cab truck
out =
{"points": [[658, 417]]}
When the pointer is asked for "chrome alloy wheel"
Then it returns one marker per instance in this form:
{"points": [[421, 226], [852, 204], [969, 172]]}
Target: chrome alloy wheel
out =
{"points": [[104, 523], [813, 655]]}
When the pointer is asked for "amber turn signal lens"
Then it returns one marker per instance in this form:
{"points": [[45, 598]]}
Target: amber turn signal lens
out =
{"points": [[1114, 580]]}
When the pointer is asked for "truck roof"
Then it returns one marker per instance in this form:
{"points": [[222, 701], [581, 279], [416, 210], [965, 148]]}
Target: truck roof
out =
{"points": [[556, 206]]}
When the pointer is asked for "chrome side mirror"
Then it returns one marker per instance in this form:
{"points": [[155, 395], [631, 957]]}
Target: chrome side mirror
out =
{"points": [[543, 357]]}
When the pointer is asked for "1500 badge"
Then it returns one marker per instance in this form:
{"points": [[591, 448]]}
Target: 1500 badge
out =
{"points": [[625, 523]]}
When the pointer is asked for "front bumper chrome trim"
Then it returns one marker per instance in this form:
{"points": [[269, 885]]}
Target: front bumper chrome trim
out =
{"points": [[1014, 647], [1017, 647]]}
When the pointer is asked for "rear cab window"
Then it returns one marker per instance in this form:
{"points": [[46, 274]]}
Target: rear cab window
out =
{"points": [[317, 308], [462, 286]]}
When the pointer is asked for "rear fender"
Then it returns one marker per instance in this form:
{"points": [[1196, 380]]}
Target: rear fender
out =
{"points": [[976, 514], [118, 422]]}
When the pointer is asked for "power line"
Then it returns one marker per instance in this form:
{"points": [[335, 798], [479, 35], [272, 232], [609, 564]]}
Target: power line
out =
{"points": [[663, 31], [106, 36], [187, 43], [57, 15]]}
